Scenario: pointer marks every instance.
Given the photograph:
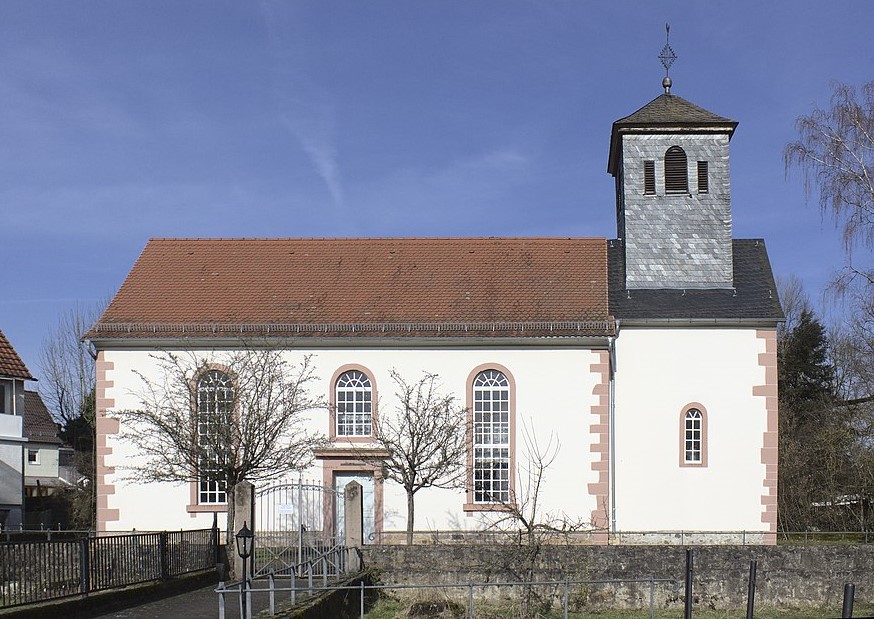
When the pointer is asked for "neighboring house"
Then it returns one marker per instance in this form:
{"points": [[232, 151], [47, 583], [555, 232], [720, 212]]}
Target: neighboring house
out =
{"points": [[652, 357], [13, 374], [44, 452]]}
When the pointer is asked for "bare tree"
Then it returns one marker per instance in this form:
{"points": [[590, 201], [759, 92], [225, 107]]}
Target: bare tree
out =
{"points": [[527, 527], [835, 151], [66, 385], [67, 366], [425, 437], [793, 299], [249, 429]]}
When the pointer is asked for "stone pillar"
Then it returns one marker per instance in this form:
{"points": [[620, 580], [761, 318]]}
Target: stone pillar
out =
{"points": [[242, 514], [353, 505]]}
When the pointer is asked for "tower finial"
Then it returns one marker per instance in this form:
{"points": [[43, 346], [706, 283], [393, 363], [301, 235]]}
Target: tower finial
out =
{"points": [[667, 57]]}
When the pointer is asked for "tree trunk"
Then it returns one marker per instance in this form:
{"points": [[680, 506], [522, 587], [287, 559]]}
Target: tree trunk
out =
{"points": [[411, 513]]}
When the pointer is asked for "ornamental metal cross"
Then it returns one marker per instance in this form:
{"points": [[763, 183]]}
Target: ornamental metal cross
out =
{"points": [[667, 56]]}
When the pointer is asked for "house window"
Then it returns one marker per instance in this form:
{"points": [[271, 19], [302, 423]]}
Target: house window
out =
{"points": [[354, 402], [676, 172], [491, 437], [33, 456], [703, 179], [693, 436], [649, 177], [215, 406]]}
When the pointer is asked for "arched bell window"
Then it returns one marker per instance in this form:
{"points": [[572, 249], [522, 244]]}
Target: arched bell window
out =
{"points": [[676, 171]]}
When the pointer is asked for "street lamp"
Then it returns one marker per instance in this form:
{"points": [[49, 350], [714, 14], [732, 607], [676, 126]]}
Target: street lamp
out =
{"points": [[245, 539]]}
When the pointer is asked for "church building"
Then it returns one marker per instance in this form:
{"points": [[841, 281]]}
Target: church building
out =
{"points": [[649, 361]]}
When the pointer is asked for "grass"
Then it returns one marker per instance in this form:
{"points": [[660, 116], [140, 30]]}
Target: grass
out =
{"points": [[391, 608]]}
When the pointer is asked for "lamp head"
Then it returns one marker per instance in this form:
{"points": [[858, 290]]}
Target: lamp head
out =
{"points": [[244, 539]]}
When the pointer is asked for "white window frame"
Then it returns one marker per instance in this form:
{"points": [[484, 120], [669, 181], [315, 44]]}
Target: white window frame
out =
{"points": [[491, 438], [215, 406], [693, 435], [35, 453], [353, 402]]}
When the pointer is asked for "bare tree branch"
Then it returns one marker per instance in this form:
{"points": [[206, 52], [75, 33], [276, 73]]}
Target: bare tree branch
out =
{"points": [[264, 438], [835, 151], [528, 527], [425, 436], [67, 365]]}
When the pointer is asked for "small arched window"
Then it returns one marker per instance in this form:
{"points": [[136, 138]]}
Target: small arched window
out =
{"points": [[354, 401], [215, 408], [693, 436], [676, 171]]}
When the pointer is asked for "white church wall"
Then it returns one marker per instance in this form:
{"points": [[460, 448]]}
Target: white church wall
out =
{"points": [[659, 372], [554, 396]]}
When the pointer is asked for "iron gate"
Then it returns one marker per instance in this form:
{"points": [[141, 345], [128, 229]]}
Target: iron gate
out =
{"points": [[295, 522]]}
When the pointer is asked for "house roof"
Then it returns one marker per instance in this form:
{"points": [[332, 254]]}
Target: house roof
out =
{"points": [[667, 113], [38, 423], [11, 365], [359, 287], [753, 298]]}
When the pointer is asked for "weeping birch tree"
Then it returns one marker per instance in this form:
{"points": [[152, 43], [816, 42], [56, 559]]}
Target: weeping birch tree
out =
{"points": [[835, 153]]}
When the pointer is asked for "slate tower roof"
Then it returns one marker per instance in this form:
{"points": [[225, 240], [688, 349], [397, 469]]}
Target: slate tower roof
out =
{"points": [[666, 113]]}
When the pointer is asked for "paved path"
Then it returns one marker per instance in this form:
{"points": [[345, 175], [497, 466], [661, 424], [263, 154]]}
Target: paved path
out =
{"points": [[199, 604]]}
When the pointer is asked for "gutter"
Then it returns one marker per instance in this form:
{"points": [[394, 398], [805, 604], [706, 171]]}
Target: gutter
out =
{"points": [[611, 428], [255, 341], [700, 322]]}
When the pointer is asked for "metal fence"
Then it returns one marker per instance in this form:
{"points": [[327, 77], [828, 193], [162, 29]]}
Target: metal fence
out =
{"points": [[471, 599], [35, 570], [304, 578]]}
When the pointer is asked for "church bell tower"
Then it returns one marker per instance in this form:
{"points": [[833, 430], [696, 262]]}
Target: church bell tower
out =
{"points": [[673, 196]]}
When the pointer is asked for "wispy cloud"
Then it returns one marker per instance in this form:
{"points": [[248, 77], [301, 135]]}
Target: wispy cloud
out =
{"points": [[316, 137], [306, 108]]}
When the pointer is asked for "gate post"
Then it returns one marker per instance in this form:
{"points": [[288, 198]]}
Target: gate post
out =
{"points": [[353, 505], [243, 501]]}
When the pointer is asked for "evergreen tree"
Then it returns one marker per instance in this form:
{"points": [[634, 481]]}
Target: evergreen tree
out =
{"points": [[814, 441]]}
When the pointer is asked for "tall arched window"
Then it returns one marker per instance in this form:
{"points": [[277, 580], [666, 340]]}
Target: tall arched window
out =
{"points": [[215, 407], [354, 402], [491, 437], [676, 171], [693, 436]]}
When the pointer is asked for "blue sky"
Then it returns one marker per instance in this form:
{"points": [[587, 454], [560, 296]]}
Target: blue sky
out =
{"points": [[121, 121]]}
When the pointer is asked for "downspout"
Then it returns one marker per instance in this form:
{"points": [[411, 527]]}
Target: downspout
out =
{"points": [[611, 343]]}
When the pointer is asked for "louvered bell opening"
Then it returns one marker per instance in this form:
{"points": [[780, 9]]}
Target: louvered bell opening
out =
{"points": [[703, 178], [649, 177], [676, 173]]}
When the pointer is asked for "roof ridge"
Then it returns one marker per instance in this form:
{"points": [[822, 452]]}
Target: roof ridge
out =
{"points": [[372, 239]]}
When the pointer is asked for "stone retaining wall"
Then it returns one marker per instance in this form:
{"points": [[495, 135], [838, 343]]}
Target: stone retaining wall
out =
{"points": [[788, 576]]}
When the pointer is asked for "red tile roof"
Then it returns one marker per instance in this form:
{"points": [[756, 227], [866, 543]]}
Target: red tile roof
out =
{"points": [[11, 365], [38, 423], [358, 286]]}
